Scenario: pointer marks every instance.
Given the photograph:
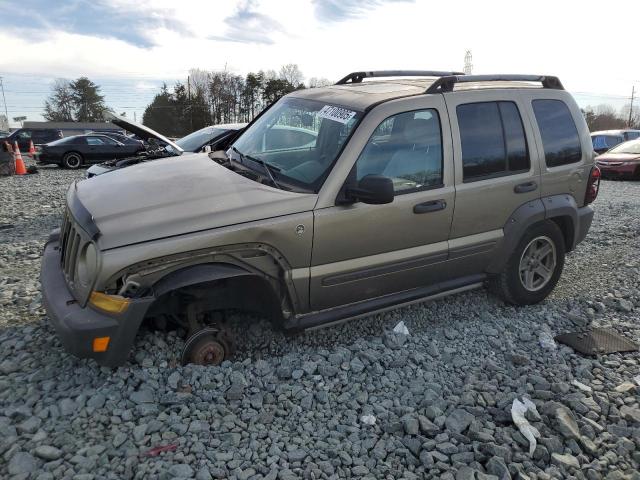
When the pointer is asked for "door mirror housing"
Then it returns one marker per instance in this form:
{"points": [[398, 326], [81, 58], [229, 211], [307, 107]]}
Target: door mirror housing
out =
{"points": [[372, 189]]}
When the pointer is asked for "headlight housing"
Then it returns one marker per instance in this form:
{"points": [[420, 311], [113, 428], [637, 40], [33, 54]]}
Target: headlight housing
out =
{"points": [[87, 264]]}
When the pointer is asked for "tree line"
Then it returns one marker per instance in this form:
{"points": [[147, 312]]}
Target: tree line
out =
{"points": [[605, 117], [214, 97]]}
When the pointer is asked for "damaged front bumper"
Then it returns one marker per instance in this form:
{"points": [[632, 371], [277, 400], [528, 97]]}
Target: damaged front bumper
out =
{"points": [[78, 326]]}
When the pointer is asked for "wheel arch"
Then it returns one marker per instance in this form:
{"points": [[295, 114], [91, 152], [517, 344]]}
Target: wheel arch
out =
{"points": [[561, 209], [222, 286]]}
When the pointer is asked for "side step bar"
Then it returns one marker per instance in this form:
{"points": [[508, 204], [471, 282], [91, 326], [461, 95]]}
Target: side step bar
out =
{"points": [[325, 318]]}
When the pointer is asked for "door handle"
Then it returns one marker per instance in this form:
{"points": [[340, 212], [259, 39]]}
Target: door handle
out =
{"points": [[525, 187], [432, 206]]}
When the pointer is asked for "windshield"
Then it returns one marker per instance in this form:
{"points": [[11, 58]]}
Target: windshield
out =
{"points": [[300, 139], [196, 140], [632, 147]]}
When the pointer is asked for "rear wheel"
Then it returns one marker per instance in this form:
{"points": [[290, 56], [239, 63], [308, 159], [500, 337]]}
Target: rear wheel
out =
{"points": [[535, 266], [72, 160]]}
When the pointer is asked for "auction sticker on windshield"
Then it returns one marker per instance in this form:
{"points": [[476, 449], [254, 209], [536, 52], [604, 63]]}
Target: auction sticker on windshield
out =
{"points": [[336, 114]]}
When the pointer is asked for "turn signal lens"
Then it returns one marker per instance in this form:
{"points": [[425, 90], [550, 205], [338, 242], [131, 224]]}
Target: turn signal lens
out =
{"points": [[109, 303], [100, 344]]}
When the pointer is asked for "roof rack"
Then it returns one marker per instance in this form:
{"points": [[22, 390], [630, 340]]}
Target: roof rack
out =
{"points": [[446, 82], [357, 77]]}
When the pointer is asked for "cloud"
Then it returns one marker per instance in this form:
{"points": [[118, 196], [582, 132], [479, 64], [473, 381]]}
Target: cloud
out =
{"points": [[95, 18], [247, 25], [339, 10]]}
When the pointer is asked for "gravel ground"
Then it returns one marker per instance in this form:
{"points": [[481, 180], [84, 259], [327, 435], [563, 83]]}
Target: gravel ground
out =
{"points": [[303, 406]]}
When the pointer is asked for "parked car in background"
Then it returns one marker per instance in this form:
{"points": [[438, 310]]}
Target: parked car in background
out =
{"points": [[606, 139], [621, 161], [215, 137], [78, 150], [122, 138], [39, 136]]}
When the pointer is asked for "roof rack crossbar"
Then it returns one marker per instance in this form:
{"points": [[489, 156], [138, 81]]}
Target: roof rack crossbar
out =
{"points": [[446, 83], [357, 77]]}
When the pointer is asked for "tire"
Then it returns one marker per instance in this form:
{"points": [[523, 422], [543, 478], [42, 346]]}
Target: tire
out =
{"points": [[525, 279], [72, 160]]}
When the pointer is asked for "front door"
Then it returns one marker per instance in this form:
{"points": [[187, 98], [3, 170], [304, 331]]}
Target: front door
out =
{"points": [[364, 251]]}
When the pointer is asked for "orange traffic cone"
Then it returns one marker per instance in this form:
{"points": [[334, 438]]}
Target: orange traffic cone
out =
{"points": [[32, 150], [20, 168]]}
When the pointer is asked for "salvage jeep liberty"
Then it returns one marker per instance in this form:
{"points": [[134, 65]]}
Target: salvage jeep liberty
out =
{"points": [[411, 185]]}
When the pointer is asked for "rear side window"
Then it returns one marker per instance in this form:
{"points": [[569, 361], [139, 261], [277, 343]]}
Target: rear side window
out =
{"points": [[493, 140], [558, 131], [631, 135]]}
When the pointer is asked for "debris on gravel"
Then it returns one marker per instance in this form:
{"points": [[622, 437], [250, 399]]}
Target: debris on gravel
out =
{"points": [[357, 400]]}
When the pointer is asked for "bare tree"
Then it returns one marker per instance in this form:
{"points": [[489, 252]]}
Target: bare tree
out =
{"points": [[315, 82], [292, 74]]}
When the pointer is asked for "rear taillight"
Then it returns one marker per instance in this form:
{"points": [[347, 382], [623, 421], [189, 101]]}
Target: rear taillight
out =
{"points": [[593, 185]]}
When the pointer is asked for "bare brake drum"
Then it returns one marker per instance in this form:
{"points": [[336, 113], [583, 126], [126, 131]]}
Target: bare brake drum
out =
{"points": [[207, 346]]}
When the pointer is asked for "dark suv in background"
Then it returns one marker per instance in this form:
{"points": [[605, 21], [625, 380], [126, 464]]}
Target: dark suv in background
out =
{"points": [[39, 136]]}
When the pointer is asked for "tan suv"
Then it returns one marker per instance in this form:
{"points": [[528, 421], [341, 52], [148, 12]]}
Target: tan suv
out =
{"points": [[397, 191]]}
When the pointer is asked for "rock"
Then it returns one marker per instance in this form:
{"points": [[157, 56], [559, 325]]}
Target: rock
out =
{"points": [[47, 452], [465, 473], [142, 396], [458, 420], [411, 425], [496, 466], [173, 380], [22, 463], [427, 427], [297, 455], [181, 470], [566, 423], [566, 461], [96, 401], [630, 414]]}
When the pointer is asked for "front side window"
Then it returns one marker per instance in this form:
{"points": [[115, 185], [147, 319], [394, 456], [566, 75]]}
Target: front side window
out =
{"points": [[493, 140], [406, 148], [24, 135], [631, 135], [558, 131], [196, 140], [298, 140], [95, 141]]}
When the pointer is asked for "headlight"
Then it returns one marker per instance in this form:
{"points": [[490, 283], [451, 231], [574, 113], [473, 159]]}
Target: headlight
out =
{"points": [[87, 264]]}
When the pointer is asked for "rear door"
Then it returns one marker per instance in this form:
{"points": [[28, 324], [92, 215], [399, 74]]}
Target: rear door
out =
{"points": [[363, 251], [496, 171]]}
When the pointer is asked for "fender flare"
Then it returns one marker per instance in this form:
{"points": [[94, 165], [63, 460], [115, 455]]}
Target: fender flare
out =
{"points": [[196, 274], [528, 214]]}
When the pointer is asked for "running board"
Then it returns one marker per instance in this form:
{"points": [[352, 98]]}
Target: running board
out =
{"points": [[335, 316]]}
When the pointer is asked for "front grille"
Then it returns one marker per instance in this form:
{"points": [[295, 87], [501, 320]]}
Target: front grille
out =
{"points": [[71, 242]]}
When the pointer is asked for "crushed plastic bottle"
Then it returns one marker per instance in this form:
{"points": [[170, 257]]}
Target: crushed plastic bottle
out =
{"points": [[546, 341]]}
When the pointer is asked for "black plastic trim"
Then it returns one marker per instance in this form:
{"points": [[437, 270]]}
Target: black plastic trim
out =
{"points": [[379, 303], [357, 77], [446, 83]]}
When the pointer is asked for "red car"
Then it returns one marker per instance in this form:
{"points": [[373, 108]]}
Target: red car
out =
{"points": [[621, 161]]}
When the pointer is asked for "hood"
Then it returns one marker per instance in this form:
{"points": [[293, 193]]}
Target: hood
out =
{"points": [[161, 199], [617, 157], [140, 130]]}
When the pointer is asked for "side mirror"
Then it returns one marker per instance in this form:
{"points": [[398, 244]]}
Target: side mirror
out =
{"points": [[206, 149], [372, 189]]}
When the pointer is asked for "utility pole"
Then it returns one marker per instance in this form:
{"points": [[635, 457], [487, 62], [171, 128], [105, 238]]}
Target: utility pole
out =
{"points": [[633, 91], [4, 101]]}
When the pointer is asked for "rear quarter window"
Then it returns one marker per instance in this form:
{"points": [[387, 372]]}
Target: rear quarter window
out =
{"points": [[559, 133]]}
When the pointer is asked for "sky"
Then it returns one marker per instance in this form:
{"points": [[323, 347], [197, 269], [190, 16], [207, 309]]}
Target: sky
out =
{"points": [[131, 48]]}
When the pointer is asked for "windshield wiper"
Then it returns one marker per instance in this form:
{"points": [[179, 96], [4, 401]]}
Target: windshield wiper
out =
{"points": [[266, 166]]}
